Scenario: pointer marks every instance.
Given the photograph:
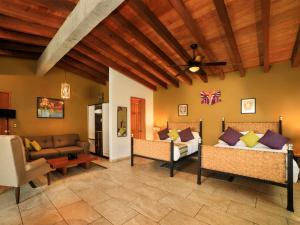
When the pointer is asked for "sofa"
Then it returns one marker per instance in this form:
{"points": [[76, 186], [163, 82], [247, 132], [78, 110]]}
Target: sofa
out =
{"points": [[54, 146]]}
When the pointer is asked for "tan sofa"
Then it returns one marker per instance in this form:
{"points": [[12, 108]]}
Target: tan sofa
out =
{"points": [[57, 146]]}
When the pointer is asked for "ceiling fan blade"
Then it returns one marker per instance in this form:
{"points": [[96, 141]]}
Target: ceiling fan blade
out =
{"points": [[182, 72], [214, 64], [203, 75], [176, 65]]}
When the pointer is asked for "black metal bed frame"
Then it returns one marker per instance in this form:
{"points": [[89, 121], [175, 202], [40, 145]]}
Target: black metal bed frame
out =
{"points": [[171, 163], [288, 185]]}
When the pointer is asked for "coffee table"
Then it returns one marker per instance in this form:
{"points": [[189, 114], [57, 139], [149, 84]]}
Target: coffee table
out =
{"points": [[62, 163]]}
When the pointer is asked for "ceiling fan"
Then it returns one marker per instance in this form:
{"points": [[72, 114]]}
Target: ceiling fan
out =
{"points": [[196, 63]]}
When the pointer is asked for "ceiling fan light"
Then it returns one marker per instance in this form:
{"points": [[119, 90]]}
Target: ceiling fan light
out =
{"points": [[194, 69]]}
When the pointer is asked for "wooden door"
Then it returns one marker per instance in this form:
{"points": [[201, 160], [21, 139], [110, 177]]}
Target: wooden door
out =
{"points": [[138, 120], [4, 104]]}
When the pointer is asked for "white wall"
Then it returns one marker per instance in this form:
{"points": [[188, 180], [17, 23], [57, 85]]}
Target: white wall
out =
{"points": [[121, 89]]}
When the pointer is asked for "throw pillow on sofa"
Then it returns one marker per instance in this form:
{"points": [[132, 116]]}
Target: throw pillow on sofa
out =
{"points": [[36, 146]]}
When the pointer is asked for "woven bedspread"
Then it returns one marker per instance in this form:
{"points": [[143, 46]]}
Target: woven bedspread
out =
{"points": [[183, 149]]}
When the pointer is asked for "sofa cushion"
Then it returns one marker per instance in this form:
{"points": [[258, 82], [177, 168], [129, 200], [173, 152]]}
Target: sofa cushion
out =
{"points": [[44, 141], [69, 149], [44, 153], [65, 140]]}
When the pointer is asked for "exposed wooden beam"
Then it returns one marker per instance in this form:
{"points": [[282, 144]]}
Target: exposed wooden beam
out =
{"points": [[89, 62], [131, 49], [18, 54], [296, 51], [21, 10], [14, 24], [225, 20], [265, 16], [111, 63], [196, 32], [79, 72], [23, 38], [139, 36], [85, 16], [78, 65], [9, 45], [145, 13], [98, 45]]}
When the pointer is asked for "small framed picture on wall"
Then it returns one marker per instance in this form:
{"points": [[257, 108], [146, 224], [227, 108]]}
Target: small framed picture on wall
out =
{"points": [[248, 106], [182, 110]]}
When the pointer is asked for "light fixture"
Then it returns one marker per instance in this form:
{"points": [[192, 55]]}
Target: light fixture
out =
{"points": [[65, 90], [194, 69]]}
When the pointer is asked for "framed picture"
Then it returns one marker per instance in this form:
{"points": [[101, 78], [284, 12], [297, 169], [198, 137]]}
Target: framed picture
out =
{"points": [[182, 110], [50, 108], [248, 106]]}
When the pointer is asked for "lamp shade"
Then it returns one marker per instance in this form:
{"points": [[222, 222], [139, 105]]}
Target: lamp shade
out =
{"points": [[8, 113]]}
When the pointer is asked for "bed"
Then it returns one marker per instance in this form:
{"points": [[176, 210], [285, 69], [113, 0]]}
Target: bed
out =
{"points": [[269, 166], [168, 151]]}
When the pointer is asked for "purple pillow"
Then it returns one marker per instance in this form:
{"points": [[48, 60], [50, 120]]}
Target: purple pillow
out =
{"points": [[273, 140], [163, 134], [230, 136], [186, 135]]}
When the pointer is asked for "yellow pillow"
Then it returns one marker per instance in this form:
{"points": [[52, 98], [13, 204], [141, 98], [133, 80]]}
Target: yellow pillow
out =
{"points": [[173, 134], [27, 144], [36, 146], [250, 139]]}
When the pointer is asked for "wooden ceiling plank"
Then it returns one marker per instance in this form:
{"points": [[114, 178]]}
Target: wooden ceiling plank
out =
{"points": [[85, 16], [195, 31], [225, 21], [85, 68], [139, 36], [9, 45], [14, 24], [23, 38], [111, 63], [145, 13], [265, 15], [95, 43], [131, 49], [89, 62], [69, 67], [18, 54], [295, 59]]}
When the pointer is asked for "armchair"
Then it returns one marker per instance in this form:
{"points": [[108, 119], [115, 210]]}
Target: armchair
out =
{"points": [[14, 170]]}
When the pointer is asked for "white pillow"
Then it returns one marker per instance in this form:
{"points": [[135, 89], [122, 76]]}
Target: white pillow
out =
{"points": [[196, 135]]}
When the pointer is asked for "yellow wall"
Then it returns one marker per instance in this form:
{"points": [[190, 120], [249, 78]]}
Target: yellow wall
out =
{"points": [[17, 77], [277, 93]]}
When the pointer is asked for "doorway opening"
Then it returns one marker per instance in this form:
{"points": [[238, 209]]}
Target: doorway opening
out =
{"points": [[138, 117]]}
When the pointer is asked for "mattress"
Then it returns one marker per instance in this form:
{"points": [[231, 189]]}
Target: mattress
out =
{"points": [[192, 147]]}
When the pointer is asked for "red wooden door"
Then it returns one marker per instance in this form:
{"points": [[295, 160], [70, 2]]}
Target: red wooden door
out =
{"points": [[4, 104], [138, 124]]}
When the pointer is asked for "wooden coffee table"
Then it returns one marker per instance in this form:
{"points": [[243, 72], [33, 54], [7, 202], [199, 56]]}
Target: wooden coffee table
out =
{"points": [[63, 163]]}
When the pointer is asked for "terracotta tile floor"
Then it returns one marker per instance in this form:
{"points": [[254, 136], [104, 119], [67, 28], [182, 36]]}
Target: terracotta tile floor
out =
{"points": [[145, 194]]}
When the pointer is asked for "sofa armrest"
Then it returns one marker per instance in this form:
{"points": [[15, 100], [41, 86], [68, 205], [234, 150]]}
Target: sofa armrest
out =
{"points": [[85, 145], [35, 164]]}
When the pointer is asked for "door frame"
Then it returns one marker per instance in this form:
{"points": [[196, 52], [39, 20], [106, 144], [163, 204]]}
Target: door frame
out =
{"points": [[143, 117]]}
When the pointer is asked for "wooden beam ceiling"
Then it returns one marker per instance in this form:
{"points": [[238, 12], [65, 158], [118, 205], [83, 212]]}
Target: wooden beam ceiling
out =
{"points": [[23, 38], [296, 50], [146, 14], [78, 71], [98, 45], [85, 16], [139, 36], [18, 54], [163, 75], [225, 21], [9, 45], [265, 15], [96, 55], [196, 32]]}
